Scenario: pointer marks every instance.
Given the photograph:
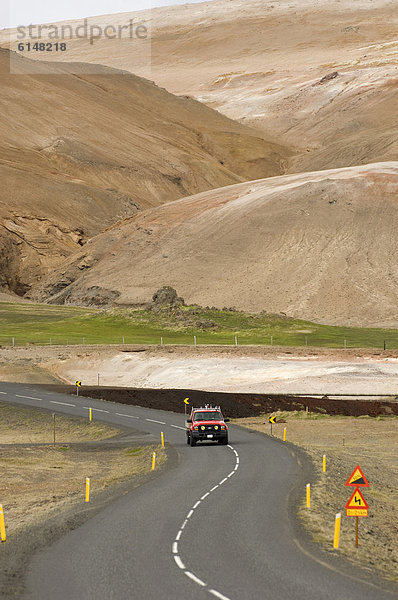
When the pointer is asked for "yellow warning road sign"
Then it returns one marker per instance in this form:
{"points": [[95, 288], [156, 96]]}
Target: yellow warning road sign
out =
{"points": [[357, 478], [79, 383], [186, 400], [357, 505], [272, 419]]}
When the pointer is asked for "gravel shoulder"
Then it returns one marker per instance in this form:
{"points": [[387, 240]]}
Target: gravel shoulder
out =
{"points": [[347, 441]]}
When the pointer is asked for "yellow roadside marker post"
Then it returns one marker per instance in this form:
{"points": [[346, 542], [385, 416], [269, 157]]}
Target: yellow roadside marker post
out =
{"points": [[2, 524], [162, 438], [284, 434], [308, 487], [153, 461], [87, 489], [90, 414], [324, 463], [78, 385], [337, 525]]}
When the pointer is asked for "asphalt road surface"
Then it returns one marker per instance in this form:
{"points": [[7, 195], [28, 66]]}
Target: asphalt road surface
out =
{"points": [[215, 526]]}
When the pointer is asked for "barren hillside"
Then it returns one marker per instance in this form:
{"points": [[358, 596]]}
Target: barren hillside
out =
{"points": [[321, 75], [80, 151], [319, 246]]}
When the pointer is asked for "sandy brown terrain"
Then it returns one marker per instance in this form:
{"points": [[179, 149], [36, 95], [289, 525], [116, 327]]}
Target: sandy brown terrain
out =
{"points": [[40, 478], [81, 151], [250, 244], [347, 441], [319, 74]]}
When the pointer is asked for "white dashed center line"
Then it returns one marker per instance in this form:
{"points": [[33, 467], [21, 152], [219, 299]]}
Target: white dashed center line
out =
{"points": [[194, 578], [218, 595], [129, 416], [177, 558], [179, 562]]}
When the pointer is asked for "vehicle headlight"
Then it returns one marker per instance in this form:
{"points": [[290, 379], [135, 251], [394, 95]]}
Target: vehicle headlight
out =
{"points": [[222, 426], [195, 428], [203, 427], [216, 427]]}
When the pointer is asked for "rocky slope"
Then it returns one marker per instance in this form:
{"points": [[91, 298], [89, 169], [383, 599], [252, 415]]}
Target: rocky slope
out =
{"points": [[80, 151], [321, 75], [319, 246]]}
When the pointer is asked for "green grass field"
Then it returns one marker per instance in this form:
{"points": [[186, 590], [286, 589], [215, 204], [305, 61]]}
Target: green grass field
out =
{"points": [[22, 324]]}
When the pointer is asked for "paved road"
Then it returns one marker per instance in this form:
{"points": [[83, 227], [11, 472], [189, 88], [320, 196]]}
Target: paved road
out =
{"points": [[216, 526]]}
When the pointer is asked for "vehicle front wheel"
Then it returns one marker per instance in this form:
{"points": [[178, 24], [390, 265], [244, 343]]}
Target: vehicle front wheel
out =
{"points": [[192, 442], [225, 441], [188, 440]]}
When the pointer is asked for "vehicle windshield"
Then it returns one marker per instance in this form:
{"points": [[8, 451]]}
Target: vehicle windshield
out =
{"points": [[209, 415]]}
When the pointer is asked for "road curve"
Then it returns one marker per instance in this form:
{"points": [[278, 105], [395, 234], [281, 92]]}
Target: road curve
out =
{"points": [[217, 526]]}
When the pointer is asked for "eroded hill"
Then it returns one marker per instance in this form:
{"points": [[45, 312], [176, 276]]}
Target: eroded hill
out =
{"points": [[318, 245], [81, 151]]}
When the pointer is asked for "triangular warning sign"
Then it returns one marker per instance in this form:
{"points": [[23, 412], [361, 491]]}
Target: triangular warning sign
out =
{"points": [[357, 478], [357, 505]]}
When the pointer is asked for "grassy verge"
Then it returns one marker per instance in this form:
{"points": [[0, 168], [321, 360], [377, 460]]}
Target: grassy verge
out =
{"points": [[22, 324], [40, 480], [347, 441]]}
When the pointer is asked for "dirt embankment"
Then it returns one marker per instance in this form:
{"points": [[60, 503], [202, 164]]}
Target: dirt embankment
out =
{"points": [[236, 405], [347, 441]]}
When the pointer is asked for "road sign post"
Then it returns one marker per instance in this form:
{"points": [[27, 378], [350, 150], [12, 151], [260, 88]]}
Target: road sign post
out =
{"points": [[271, 421], [357, 505], [78, 385], [186, 402], [356, 531], [357, 478]]}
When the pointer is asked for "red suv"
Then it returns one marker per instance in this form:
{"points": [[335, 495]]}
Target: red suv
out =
{"points": [[207, 424]]}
